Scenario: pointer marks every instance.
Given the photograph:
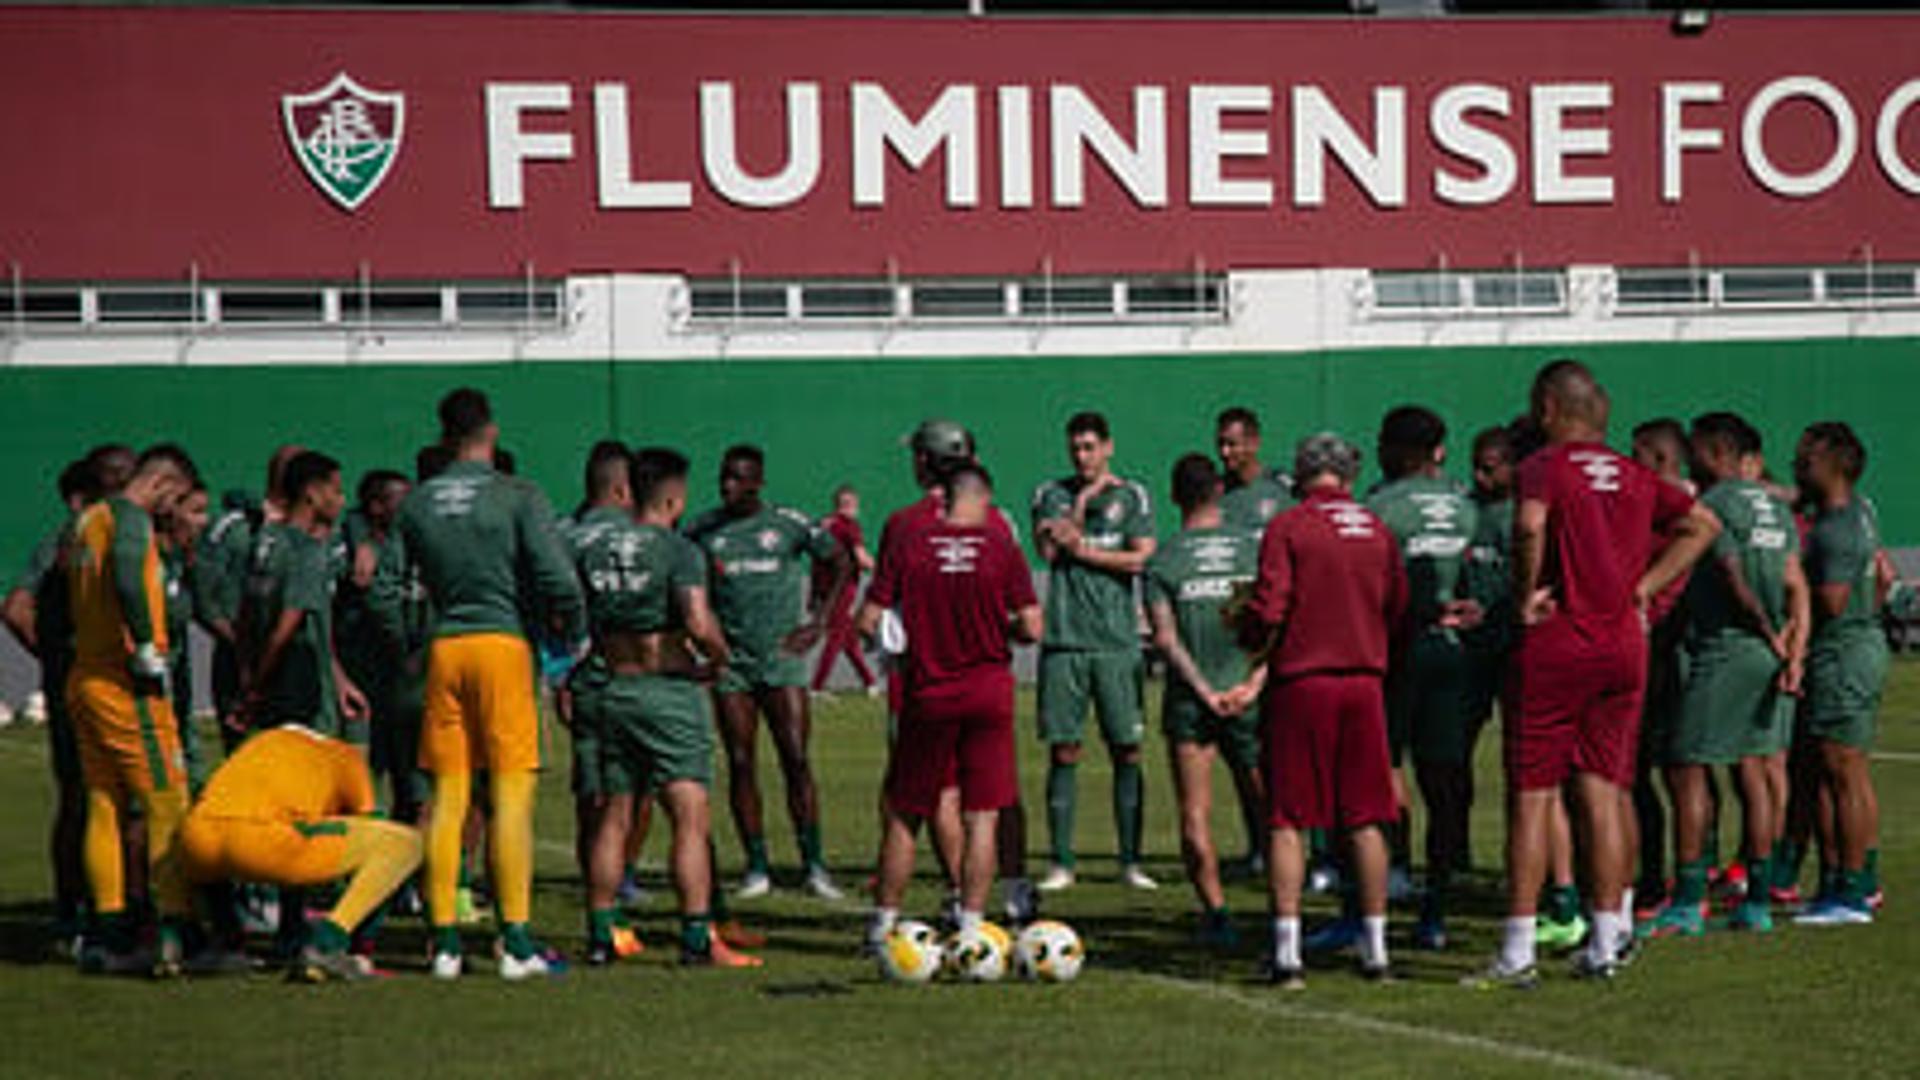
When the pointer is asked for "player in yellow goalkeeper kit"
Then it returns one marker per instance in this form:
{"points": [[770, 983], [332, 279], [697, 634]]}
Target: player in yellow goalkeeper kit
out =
{"points": [[291, 807], [122, 713]]}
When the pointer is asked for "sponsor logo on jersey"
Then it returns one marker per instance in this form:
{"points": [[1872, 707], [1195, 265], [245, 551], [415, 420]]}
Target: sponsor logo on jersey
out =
{"points": [[1351, 521], [345, 136], [1603, 470], [958, 554]]}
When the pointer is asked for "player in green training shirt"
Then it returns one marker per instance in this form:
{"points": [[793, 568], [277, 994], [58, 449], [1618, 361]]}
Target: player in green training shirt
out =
{"points": [[646, 590], [219, 579], [288, 673], [1213, 685], [1847, 661], [1430, 705], [1095, 532], [758, 554], [1254, 494], [492, 563], [177, 531], [37, 612], [1747, 621], [369, 658]]}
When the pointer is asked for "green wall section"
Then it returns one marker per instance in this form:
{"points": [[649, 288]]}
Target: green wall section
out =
{"points": [[827, 422]]}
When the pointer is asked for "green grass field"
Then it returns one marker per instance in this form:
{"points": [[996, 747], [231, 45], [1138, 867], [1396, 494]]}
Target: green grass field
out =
{"points": [[1811, 1002]]}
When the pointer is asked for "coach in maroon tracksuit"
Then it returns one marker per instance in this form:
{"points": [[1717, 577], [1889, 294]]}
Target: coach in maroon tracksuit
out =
{"points": [[964, 594], [1331, 585]]}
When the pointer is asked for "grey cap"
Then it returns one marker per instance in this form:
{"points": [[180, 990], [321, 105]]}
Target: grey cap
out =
{"points": [[941, 439], [1325, 452]]}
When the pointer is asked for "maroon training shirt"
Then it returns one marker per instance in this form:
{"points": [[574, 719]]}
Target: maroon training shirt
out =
{"points": [[1605, 512], [845, 532], [1332, 580], [955, 587]]}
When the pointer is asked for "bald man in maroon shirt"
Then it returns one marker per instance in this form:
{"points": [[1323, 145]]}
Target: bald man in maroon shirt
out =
{"points": [[964, 595], [1331, 585], [1586, 524]]}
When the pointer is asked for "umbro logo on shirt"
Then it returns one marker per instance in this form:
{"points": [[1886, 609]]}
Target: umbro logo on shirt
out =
{"points": [[1603, 470], [1350, 520], [957, 554]]}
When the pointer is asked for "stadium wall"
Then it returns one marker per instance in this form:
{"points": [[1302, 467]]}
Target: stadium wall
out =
{"points": [[827, 421]]}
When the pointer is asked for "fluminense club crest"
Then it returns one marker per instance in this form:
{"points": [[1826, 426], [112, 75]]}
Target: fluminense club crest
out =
{"points": [[345, 136]]}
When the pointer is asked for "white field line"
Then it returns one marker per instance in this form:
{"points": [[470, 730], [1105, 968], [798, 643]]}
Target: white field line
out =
{"points": [[1370, 1025]]}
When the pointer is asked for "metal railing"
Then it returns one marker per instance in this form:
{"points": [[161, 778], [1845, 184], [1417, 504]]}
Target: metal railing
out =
{"points": [[1199, 298]]}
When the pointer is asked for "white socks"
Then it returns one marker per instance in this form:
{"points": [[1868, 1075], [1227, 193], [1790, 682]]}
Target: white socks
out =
{"points": [[1609, 930], [1286, 943], [1373, 941], [1516, 946], [880, 923], [970, 920]]}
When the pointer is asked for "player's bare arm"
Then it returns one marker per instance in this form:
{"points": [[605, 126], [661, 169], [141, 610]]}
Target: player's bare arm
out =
{"points": [[1166, 638], [1129, 560], [18, 612], [1028, 625], [703, 629], [1799, 624], [1529, 554], [1692, 535], [808, 634], [272, 652], [348, 695], [1747, 603]]}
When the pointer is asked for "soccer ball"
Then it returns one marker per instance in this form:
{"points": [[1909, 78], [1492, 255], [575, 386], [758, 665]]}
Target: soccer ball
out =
{"points": [[1048, 951], [911, 953], [979, 954]]}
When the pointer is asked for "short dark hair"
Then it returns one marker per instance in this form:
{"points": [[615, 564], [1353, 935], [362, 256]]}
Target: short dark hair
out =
{"points": [[170, 454], [1196, 482], [76, 481], [309, 467], [744, 452], [374, 481], [1525, 438], [1087, 423], [464, 413], [1409, 434], [110, 465], [1494, 438], [504, 462], [964, 474], [1662, 429], [652, 468], [1238, 414], [430, 461], [606, 463], [842, 492], [1727, 430], [1839, 440]]}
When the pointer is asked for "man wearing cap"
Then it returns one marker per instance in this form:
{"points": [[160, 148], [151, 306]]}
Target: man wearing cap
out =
{"points": [[1330, 587], [1095, 532], [937, 447]]}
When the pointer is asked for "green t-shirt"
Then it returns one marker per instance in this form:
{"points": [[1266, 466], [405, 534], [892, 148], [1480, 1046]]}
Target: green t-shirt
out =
{"points": [[1194, 573], [488, 553], [1488, 576], [46, 578], [1841, 547], [1089, 608], [221, 565], [633, 572], [1248, 507], [1434, 522], [291, 572], [177, 575], [1757, 531], [759, 564]]}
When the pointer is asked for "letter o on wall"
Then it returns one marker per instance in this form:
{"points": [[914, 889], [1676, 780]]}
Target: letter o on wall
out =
{"points": [[1753, 138]]}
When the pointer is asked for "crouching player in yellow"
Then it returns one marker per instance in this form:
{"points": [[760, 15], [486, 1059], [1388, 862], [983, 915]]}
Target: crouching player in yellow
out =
{"points": [[123, 719], [291, 808]]}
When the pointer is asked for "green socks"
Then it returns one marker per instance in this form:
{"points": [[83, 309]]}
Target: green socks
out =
{"points": [[1690, 882], [756, 854], [600, 922], [517, 941], [1787, 857], [327, 936], [1870, 874], [1060, 806], [1563, 903], [696, 934], [810, 845], [1759, 873], [446, 940], [1129, 806]]}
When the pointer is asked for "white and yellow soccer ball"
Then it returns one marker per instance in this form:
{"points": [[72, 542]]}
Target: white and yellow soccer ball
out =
{"points": [[911, 953], [1048, 951], [979, 954]]}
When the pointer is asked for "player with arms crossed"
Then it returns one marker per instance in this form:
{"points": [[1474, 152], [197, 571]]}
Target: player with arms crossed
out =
{"points": [[1584, 528], [964, 594], [1095, 532], [755, 551], [1213, 685], [484, 544]]}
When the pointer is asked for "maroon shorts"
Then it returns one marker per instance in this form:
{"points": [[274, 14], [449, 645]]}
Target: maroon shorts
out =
{"points": [[957, 734], [1575, 692], [1324, 742]]}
